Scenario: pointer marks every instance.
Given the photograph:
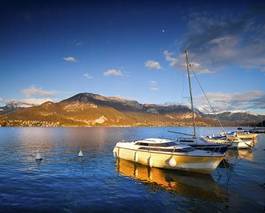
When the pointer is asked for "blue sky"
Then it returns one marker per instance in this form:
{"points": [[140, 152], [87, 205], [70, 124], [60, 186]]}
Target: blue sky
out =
{"points": [[51, 50]]}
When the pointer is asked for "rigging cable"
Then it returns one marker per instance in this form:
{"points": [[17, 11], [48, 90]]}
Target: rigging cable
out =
{"points": [[208, 101]]}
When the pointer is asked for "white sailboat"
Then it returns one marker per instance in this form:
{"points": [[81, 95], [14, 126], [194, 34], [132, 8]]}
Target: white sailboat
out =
{"points": [[164, 153], [172, 154]]}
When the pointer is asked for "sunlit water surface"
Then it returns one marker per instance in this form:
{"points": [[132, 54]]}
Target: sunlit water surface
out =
{"points": [[62, 182]]}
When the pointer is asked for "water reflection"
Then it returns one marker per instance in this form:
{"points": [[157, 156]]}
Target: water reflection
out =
{"points": [[63, 181], [62, 142], [245, 154], [198, 186]]}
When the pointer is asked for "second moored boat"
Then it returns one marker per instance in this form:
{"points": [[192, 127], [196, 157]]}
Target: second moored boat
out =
{"points": [[234, 143]]}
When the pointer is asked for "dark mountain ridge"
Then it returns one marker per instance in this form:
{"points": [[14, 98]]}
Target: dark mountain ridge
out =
{"points": [[88, 109], [126, 105], [237, 117]]}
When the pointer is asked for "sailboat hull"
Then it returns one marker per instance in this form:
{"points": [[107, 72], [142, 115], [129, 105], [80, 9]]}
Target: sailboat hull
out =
{"points": [[198, 164]]}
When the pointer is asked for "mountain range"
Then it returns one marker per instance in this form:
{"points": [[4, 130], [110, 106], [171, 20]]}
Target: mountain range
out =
{"points": [[88, 109]]}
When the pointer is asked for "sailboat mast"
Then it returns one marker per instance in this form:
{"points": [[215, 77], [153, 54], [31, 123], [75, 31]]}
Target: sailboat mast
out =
{"points": [[191, 99]]}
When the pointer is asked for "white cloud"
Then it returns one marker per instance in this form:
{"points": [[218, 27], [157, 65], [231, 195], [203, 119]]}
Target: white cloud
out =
{"points": [[70, 59], [245, 101], [88, 76], [169, 56], [113, 72], [153, 86], [153, 65], [35, 91], [28, 102], [35, 101], [222, 40], [179, 62], [33, 96], [198, 68]]}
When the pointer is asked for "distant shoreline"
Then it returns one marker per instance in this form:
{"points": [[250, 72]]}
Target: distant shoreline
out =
{"points": [[128, 126]]}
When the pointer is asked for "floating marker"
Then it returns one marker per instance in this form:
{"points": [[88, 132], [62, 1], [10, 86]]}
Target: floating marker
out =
{"points": [[172, 162], [80, 154], [38, 156]]}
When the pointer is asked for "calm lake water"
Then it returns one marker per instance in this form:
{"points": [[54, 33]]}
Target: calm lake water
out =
{"points": [[98, 183]]}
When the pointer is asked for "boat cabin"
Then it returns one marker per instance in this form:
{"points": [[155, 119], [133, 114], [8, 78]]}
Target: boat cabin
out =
{"points": [[162, 145]]}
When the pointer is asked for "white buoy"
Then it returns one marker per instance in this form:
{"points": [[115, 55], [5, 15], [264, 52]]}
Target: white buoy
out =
{"points": [[80, 154], [172, 162], [38, 156]]}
